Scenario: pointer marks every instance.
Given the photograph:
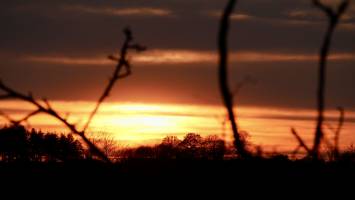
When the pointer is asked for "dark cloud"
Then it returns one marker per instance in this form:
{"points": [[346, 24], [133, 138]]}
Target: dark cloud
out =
{"points": [[91, 28]]}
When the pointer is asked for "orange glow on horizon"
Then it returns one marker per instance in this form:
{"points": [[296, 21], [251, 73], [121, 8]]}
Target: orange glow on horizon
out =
{"points": [[146, 123]]}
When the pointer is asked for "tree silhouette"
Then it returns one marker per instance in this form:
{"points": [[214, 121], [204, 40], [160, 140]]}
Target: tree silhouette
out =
{"points": [[190, 147], [13, 144], [18, 144], [214, 147], [171, 140], [106, 142]]}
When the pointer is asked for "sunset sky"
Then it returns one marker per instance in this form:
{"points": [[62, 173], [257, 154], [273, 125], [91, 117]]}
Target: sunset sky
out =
{"points": [[58, 49]]}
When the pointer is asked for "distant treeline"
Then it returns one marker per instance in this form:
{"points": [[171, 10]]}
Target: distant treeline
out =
{"points": [[193, 146], [19, 144]]}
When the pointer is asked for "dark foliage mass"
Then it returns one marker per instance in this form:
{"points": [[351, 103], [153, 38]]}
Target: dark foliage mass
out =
{"points": [[18, 144], [192, 147]]}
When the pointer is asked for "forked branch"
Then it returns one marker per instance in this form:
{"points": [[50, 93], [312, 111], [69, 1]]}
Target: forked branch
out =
{"points": [[333, 19], [122, 64], [300, 142]]}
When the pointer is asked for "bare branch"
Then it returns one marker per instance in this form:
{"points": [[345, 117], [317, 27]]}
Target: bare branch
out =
{"points": [[47, 103], [323, 7], [7, 117], [342, 7], [338, 130], [17, 122], [300, 141], [3, 97], [48, 110], [122, 64], [138, 47], [327, 142], [241, 84], [333, 18], [122, 70], [223, 78], [28, 116], [296, 150]]}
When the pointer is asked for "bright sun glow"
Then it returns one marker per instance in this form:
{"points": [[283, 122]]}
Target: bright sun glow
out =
{"points": [[140, 122]]}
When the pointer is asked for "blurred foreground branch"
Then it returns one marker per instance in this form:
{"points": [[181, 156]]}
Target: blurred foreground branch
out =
{"points": [[333, 16], [333, 19], [226, 93]]}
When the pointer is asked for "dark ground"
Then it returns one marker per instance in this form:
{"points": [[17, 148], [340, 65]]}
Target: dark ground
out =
{"points": [[181, 178], [181, 170]]}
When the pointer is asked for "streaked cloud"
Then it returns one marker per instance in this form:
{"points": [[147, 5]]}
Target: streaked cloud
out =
{"points": [[133, 11], [347, 26], [68, 60], [120, 119], [237, 16], [311, 14], [293, 17], [248, 17], [298, 13], [159, 56]]}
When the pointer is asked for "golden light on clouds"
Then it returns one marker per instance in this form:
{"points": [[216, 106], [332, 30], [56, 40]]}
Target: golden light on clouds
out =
{"points": [[139, 11], [294, 17], [174, 56], [69, 60], [139, 123], [236, 16]]}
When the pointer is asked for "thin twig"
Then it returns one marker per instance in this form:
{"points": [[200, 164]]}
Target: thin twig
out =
{"points": [[241, 84], [294, 152], [338, 130], [300, 141], [28, 116], [328, 142], [7, 117]]}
